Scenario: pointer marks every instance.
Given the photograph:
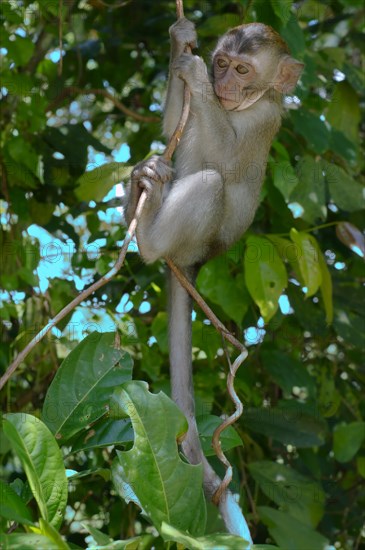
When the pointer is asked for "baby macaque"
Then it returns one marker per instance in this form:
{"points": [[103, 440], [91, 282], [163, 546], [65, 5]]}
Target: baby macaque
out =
{"points": [[208, 201]]}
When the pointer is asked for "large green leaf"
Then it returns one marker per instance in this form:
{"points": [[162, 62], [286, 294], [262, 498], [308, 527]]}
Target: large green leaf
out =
{"points": [[285, 178], [265, 275], [291, 31], [288, 372], [42, 462], [217, 283], [282, 8], [27, 541], [290, 533], [218, 541], [289, 426], [310, 191], [49, 531], [344, 110], [311, 127], [307, 260], [81, 390], [152, 474], [299, 496], [104, 433], [350, 326], [345, 192], [347, 440], [13, 506]]}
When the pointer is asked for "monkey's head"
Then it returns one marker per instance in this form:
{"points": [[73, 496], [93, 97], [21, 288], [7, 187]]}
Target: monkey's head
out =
{"points": [[250, 60]]}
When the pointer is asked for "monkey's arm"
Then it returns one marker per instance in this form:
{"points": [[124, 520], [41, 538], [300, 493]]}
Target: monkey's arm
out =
{"points": [[178, 220], [211, 119], [182, 34]]}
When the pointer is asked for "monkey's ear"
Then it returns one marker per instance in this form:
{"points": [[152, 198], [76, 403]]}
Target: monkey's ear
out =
{"points": [[288, 75]]}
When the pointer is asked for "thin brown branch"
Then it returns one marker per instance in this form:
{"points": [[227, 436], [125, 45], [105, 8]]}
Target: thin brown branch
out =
{"points": [[179, 9], [74, 90], [76, 301], [204, 306], [216, 444]]}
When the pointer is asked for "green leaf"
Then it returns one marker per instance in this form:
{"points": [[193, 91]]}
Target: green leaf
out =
{"points": [[293, 35], [349, 326], [360, 464], [72, 140], [13, 506], [217, 541], [104, 542], [218, 25], [326, 287], [285, 178], [341, 145], [20, 50], [22, 152], [99, 537], [355, 75], [295, 427], [265, 275], [27, 541], [206, 339], [42, 462], [308, 262], [288, 532], [345, 192], [206, 427], [297, 495], [95, 184], [49, 531], [282, 8], [152, 473], [159, 331], [347, 440], [104, 433], [287, 372], [311, 127], [344, 110], [310, 192], [216, 282], [81, 391]]}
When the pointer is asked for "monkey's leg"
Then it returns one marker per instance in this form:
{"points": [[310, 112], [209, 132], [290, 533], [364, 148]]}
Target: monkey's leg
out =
{"points": [[184, 224]]}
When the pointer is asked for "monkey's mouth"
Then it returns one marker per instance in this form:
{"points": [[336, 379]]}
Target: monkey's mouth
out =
{"points": [[233, 100], [228, 103]]}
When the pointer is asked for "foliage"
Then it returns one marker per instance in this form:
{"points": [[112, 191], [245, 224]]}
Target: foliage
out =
{"points": [[291, 288]]}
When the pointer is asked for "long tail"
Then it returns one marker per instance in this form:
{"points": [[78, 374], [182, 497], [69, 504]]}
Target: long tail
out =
{"points": [[182, 389]]}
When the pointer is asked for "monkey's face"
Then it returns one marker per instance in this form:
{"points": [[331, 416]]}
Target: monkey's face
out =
{"points": [[233, 77], [239, 80]]}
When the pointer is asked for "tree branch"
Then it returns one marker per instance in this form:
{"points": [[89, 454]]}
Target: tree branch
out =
{"points": [[74, 90]]}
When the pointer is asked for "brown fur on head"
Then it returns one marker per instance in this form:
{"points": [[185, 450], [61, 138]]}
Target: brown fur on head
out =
{"points": [[250, 38]]}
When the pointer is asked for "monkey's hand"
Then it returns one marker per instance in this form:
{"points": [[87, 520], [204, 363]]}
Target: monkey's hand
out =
{"points": [[150, 175], [183, 34], [193, 70]]}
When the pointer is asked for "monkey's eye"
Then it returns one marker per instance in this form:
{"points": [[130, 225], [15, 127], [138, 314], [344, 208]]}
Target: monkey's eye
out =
{"points": [[242, 69], [222, 63]]}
